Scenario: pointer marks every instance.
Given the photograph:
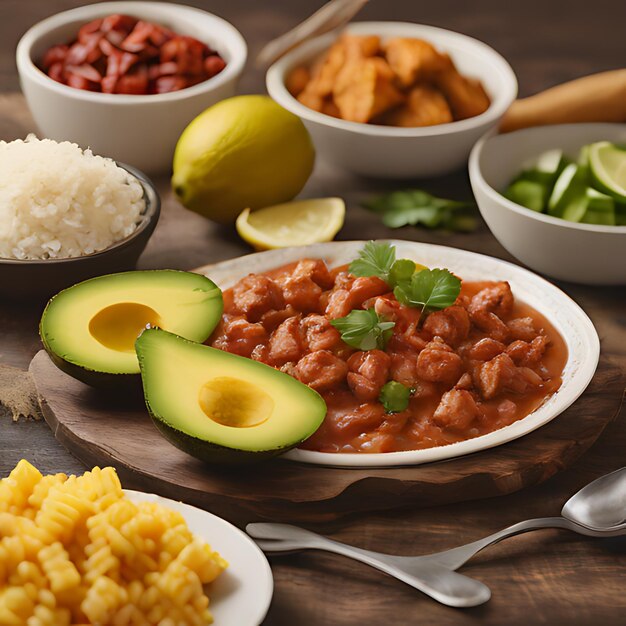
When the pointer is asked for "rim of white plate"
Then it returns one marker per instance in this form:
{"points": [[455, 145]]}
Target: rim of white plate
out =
{"points": [[564, 313]]}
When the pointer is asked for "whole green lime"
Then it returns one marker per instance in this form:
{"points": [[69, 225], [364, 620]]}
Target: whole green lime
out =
{"points": [[243, 152]]}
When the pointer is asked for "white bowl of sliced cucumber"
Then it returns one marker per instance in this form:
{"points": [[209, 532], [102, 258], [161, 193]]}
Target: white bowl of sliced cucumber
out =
{"points": [[555, 198]]}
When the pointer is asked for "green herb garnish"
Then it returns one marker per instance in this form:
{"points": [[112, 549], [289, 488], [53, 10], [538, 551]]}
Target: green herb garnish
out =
{"points": [[394, 396], [375, 259], [415, 207], [364, 330], [379, 259], [429, 289]]}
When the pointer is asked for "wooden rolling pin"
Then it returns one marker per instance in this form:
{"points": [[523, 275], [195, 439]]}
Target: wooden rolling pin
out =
{"points": [[596, 98]]}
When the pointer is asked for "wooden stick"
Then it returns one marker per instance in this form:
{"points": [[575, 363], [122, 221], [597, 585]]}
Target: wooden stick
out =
{"points": [[596, 98]]}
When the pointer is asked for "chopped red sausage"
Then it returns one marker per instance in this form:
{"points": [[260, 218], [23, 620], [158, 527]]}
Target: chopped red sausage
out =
{"points": [[134, 57]]}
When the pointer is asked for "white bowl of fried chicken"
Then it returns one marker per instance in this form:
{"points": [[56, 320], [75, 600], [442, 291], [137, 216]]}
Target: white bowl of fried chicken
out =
{"points": [[394, 99]]}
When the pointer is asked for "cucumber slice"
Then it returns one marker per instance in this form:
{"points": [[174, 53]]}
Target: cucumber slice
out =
{"points": [[528, 193], [545, 168], [600, 208], [570, 185]]}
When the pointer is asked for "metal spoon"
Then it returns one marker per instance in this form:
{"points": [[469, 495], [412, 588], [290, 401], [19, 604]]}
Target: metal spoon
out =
{"points": [[597, 510]]}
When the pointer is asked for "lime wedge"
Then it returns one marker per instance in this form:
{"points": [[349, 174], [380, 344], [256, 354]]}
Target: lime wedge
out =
{"points": [[570, 185], [620, 214], [607, 164], [600, 208], [528, 193]]}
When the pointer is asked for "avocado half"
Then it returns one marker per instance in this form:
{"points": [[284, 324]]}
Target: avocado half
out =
{"points": [[89, 330], [220, 407]]}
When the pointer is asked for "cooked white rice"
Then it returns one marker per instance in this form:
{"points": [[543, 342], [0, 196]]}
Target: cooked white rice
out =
{"points": [[58, 201]]}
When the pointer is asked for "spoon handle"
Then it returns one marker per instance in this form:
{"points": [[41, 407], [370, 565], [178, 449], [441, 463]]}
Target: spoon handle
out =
{"points": [[456, 557], [334, 14]]}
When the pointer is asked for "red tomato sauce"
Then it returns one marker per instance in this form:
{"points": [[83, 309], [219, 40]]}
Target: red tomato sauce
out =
{"points": [[477, 366]]}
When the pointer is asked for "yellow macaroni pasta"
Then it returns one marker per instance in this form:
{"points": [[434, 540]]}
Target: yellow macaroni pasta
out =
{"points": [[74, 550]]}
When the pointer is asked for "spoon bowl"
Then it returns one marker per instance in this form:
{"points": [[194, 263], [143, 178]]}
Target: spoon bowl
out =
{"points": [[601, 504]]}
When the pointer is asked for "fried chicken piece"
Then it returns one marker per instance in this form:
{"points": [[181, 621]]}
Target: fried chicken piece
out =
{"points": [[414, 59], [466, 96], [297, 80], [311, 100], [345, 50], [330, 108], [365, 89], [425, 106]]}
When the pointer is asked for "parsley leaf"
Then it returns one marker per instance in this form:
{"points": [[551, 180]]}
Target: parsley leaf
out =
{"points": [[379, 259], [429, 289], [415, 207], [375, 259], [364, 330], [394, 397]]}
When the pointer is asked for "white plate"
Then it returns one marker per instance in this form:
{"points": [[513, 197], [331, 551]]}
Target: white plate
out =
{"points": [[567, 317], [242, 594]]}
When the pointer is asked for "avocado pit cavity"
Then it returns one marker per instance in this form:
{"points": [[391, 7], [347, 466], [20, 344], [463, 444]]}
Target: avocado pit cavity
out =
{"points": [[118, 325], [235, 403]]}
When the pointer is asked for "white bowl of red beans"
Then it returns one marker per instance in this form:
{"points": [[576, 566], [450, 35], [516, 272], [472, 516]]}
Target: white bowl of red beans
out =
{"points": [[125, 78]]}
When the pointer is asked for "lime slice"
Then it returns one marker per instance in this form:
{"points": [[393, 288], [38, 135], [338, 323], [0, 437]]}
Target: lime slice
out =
{"points": [[620, 214], [600, 208], [529, 194], [607, 163], [570, 185], [296, 223]]}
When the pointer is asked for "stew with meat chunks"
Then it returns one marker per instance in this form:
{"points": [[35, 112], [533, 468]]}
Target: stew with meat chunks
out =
{"points": [[468, 369]]}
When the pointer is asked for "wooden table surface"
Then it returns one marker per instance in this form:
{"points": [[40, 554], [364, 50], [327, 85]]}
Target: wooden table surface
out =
{"points": [[542, 578]]}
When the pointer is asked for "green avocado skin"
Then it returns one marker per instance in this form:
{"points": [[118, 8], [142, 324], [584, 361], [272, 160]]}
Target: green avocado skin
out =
{"points": [[211, 452], [99, 380]]}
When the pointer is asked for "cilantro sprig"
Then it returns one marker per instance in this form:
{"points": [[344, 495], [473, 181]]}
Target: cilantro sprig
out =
{"points": [[414, 207], [364, 329], [429, 289], [394, 396], [379, 259]]}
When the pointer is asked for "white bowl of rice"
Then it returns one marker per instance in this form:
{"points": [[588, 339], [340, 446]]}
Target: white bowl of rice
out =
{"points": [[67, 214]]}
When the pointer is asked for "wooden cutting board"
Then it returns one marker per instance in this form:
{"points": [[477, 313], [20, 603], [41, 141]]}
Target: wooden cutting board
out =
{"points": [[104, 429]]}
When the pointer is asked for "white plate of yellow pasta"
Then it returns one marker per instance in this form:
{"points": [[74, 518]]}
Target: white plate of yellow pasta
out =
{"points": [[80, 549], [242, 594]]}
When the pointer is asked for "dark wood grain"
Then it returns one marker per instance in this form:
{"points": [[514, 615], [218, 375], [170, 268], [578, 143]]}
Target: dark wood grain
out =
{"points": [[547, 578], [104, 429]]}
